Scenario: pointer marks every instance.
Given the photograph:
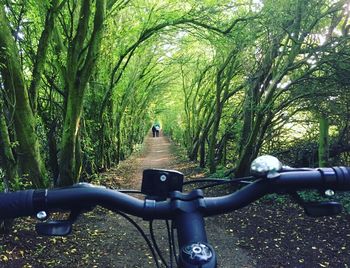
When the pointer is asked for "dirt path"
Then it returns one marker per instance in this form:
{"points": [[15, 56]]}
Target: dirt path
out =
{"points": [[156, 155]]}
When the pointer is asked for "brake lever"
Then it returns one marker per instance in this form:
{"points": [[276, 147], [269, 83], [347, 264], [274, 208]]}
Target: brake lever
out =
{"points": [[54, 228], [317, 209], [61, 227], [57, 227]]}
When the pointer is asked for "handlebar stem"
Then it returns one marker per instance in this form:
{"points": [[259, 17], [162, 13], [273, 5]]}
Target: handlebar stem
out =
{"points": [[189, 223]]}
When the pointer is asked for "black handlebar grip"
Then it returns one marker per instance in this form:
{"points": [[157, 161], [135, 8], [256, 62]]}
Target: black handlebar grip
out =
{"points": [[343, 178], [16, 204]]}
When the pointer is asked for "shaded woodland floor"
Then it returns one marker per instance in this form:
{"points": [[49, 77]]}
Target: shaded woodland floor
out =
{"points": [[264, 234]]}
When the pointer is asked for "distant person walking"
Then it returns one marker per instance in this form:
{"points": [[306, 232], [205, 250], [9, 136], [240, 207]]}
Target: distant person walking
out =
{"points": [[157, 130], [154, 130]]}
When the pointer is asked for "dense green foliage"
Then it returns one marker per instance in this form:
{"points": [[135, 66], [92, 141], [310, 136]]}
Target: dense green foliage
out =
{"points": [[82, 81]]}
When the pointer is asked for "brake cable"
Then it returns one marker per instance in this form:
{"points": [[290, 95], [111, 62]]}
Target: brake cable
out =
{"points": [[218, 182], [170, 244], [155, 259], [173, 242], [154, 241]]}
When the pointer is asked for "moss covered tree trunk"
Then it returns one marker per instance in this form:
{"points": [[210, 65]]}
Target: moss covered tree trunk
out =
{"points": [[213, 136], [81, 59], [24, 121], [7, 158], [42, 50], [8, 163]]}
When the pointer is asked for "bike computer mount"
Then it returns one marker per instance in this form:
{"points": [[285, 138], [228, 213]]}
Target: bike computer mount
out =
{"points": [[157, 184]]}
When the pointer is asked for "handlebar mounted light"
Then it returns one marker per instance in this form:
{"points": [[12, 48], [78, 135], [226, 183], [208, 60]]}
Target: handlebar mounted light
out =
{"points": [[266, 166], [157, 184]]}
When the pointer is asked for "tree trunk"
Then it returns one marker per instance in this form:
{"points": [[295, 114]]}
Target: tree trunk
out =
{"points": [[53, 160], [101, 152], [221, 149], [28, 150], [323, 147], [249, 151], [193, 152], [69, 165], [42, 53], [202, 155], [212, 141], [8, 160], [77, 76], [118, 138], [9, 164], [247, 119], [217, 117]]}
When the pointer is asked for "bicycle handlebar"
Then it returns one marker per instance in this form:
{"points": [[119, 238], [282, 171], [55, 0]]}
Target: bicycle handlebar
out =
{"points": [[29, 202], [336, 178], [16, 204]]}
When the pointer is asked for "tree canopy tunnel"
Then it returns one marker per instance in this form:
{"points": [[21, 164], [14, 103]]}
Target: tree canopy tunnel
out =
{"points": [[82, 82]]}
